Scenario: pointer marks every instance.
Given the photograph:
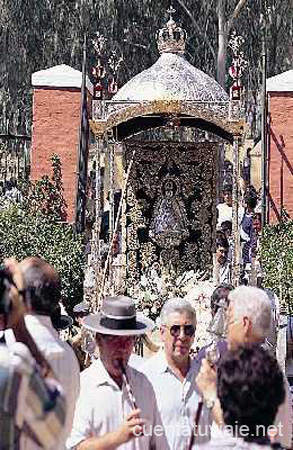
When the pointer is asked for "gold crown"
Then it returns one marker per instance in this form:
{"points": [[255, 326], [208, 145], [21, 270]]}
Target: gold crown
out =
{"points": [[171, 38]]}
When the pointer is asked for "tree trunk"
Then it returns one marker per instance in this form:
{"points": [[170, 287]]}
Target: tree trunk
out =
{"points": [[222, 45]]}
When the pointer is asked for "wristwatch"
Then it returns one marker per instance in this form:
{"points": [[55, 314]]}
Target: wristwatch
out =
{"points": [[210, 401]]}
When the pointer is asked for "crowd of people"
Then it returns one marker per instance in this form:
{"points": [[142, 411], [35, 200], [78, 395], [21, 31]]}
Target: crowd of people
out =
{"points": [[92, 395], [249, 219]]}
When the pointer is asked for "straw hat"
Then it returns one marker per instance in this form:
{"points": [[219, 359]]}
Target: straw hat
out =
{"points": [[118, 317]]}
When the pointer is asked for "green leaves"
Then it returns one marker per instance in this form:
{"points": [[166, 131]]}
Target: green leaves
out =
{"points": [[35, 227], [277, 261], [46, 195], [24, 234]]}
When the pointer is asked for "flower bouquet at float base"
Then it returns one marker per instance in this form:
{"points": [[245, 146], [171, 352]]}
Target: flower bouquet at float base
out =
{"points": [[198, 291], [152, 290], [157, 285]]}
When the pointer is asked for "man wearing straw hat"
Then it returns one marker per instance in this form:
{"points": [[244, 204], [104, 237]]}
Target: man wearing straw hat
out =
{"points": [[117, 405]]}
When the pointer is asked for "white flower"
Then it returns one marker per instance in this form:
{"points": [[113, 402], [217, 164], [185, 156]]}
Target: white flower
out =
{"points": [[146, 311], [154, 274], [159, 284], [143, 281], [154, 310]]}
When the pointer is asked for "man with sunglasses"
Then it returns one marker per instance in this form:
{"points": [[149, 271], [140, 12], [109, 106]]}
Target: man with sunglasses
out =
{"points": [[172, 373]]}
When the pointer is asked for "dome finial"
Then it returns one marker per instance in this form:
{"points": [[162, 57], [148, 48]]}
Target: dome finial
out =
{"points": [[171, 11], [171, 38]]}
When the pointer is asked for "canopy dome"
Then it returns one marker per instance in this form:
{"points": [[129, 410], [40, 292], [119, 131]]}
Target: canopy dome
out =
{"points": [[172, 77]]}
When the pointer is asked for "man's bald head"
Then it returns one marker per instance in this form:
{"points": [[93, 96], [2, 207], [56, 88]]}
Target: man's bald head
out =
{"points": [[42, 285]]}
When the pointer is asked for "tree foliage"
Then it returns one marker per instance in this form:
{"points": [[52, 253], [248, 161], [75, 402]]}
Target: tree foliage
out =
{"points": [[37, 35], [34, 228], [46, 195], [277, 261]]}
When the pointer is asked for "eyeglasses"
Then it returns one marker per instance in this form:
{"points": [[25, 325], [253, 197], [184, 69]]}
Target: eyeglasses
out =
{"points": [[175, 330]]}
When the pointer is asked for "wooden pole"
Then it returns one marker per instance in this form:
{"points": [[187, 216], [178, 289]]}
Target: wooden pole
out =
{"points": [[264, 124], [101, 293], [112, 232], [97, 227], [235, 214]]}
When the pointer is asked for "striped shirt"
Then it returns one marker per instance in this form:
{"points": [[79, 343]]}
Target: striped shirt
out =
{"points": [[29, 404], [64, 364]]}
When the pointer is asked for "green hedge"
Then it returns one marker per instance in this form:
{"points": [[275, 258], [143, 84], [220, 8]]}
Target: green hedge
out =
{"points": [[36, 227], [25, 234], [277, 261]]}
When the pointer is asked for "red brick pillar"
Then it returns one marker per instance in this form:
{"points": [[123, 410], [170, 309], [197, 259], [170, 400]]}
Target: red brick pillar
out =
{"points": [[56, 122], [280, 155]]}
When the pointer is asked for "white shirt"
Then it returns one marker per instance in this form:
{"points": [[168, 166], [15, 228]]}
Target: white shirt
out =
{"points": [[102, 407], [64, 363], [227, 441], [178, 402], [136, 361], [284, 417], [224, 213]]}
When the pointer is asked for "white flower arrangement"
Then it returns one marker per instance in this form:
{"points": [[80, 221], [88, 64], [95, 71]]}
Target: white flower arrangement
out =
{"points": [[154, 288]]}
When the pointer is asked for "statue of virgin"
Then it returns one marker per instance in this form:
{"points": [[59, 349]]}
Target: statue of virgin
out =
{"points": [[169, 223]]}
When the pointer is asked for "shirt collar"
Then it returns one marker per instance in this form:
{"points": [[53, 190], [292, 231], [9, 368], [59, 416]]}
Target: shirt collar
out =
{"points": [[163, 367], [161, 362], [102, 377]]}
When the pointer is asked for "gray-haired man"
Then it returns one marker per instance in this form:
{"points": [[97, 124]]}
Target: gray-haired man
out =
{"points": [[172, 374], [248, 321]]}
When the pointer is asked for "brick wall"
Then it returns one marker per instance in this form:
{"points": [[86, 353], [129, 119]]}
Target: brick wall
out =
{"points": [[280, 154], [56, 121]]}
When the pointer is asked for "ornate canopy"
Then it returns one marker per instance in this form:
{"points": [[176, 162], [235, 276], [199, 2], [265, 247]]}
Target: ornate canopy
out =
{"points": [[172, 77], [171, 86]]}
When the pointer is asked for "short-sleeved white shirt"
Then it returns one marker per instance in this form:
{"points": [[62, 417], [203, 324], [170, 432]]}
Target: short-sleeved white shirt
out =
{"points": [[178, 402], [102, 407]]}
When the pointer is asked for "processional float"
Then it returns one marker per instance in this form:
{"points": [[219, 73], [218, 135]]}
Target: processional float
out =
{"points": [[159, 150]]}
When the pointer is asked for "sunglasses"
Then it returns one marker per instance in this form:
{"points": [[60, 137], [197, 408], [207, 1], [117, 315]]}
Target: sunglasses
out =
{"points": [[175, 330]]}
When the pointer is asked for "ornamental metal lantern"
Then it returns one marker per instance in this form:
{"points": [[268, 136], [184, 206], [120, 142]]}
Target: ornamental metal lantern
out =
{"points": [[98, 91], [105, 71], [112, 87], [239, 64]]}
